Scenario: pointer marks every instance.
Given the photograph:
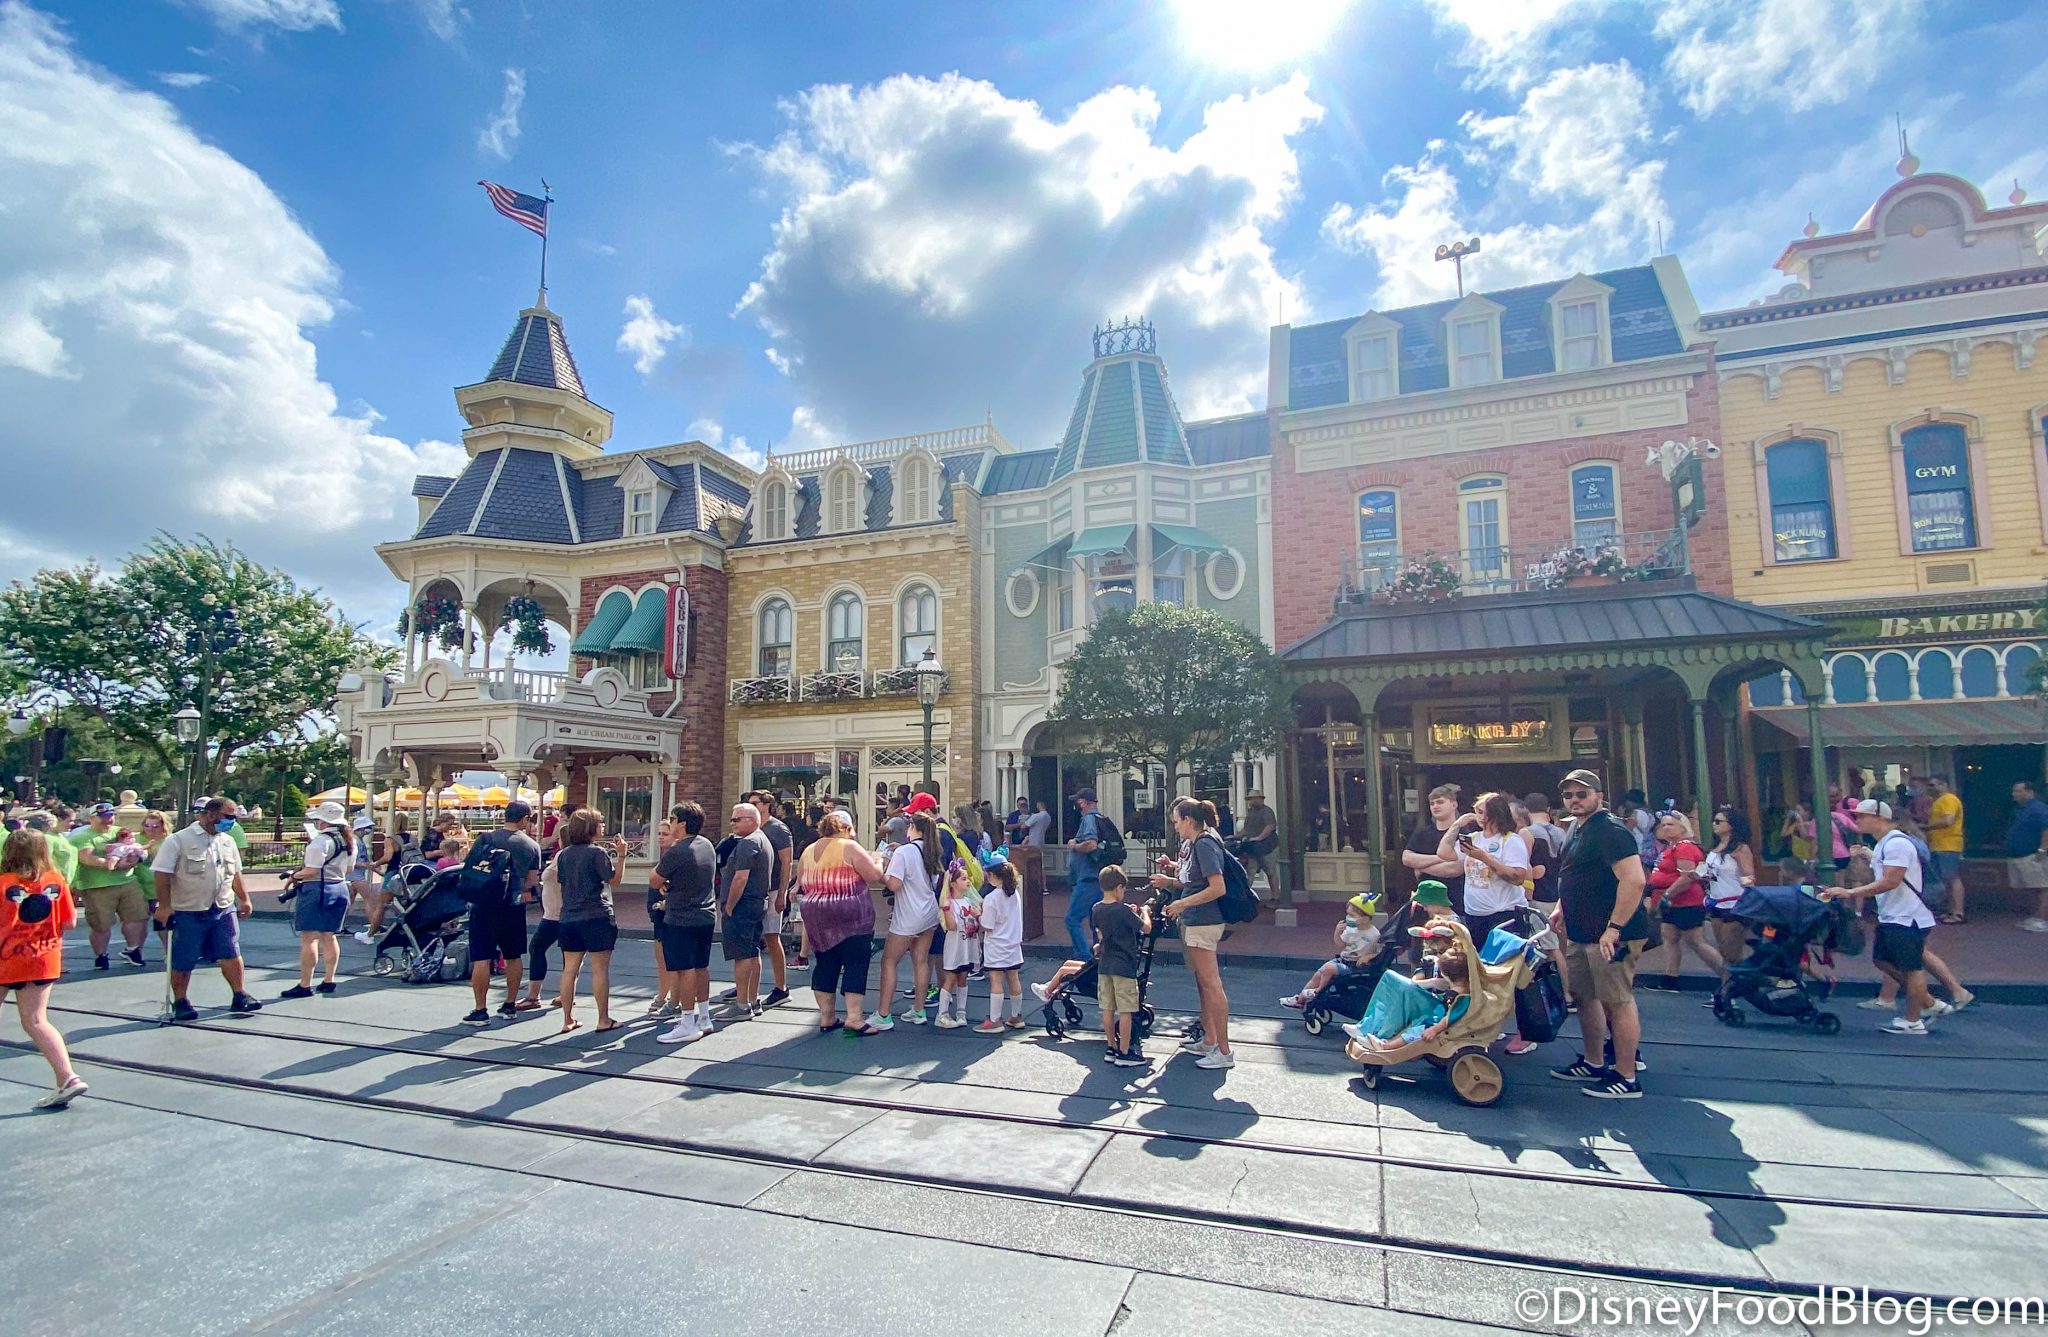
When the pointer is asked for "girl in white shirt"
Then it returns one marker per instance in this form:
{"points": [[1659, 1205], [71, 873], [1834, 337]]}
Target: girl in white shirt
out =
{"points": [[1002, 943]]}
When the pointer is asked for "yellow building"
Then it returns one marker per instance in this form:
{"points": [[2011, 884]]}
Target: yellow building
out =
{"points": [[852, 563], [1882, 422]]}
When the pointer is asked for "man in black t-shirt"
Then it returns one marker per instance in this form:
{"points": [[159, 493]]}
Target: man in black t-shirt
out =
{"points": [[1419, 857], [1600, 915], [498, 926], [777, 902]]}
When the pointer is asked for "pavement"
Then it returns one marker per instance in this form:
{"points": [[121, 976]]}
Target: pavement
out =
{"points": [[363, 1159]]}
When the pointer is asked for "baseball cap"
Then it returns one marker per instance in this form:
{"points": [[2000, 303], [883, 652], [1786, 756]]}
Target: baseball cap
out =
{"points": [[921, 803], [329, 812], [1872, 807], [1582, 776], [1084, 792], [103, 810]]}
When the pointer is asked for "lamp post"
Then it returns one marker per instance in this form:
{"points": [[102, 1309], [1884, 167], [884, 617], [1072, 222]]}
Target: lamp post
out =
{"points": [[92, 768], [17, 724], [931, 680], [187, 722]]}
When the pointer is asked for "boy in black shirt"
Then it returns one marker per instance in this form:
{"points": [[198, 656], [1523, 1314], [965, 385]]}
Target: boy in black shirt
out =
{"points": [[1119, 931]]}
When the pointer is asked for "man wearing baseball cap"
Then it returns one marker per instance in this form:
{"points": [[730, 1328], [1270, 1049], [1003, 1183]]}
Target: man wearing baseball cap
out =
{"points": [[1084, 875], [1600, 916], [108, 890], [319, 895], [1903, 919]]}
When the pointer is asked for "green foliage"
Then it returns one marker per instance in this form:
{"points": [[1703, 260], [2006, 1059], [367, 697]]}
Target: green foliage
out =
{"points": [[1174, 686], [120, 647]]}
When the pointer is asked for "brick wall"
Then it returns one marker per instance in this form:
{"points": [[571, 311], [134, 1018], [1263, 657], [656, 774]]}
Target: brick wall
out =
{"points": [[1315, 526]]}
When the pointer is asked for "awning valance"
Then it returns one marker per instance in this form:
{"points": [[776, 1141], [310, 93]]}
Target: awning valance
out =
{"points": [[1969, 723], [1187, 536], [1051, 557], [1102, 539], [611, 614], [643, 631]]}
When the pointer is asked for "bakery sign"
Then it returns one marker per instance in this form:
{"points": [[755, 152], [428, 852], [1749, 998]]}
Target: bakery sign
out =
{"points": [[1935, 627], [1526, 729]]}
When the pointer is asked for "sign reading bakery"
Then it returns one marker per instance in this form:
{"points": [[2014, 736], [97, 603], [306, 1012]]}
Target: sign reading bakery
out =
{"points": [[1935, 628]]}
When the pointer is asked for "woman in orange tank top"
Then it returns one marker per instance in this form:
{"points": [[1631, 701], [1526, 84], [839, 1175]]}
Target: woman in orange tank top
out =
{"points": [[35, 908]]}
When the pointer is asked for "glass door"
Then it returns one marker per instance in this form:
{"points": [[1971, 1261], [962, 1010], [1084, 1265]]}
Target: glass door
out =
{"points": [[1483, 534], [626, 802]]}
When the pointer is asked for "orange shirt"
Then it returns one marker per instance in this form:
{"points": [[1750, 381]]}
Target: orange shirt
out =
{"points": [[30, 952]]}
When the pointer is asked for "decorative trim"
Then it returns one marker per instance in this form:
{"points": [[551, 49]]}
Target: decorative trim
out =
{"points": [[1758, 315], [1210, 582], [1023, 608]]}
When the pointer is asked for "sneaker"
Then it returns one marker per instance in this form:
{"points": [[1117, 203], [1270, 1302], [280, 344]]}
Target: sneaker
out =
{"points": [[727, 996], [754, 1010], [977, 972], [297, 991], [1041, 993], [918, 1018], [1521, 1047], [775, 998], [1614, 1086], [1578, 1070], [1900, 1026], [1216, 1058], [2034, 924], [1295, 1001], [324, 986], [931, 996], [882, 1021], [1961, 1001], [184, 1011], [1199, 1048], [509, 1009], [801, 962], [362, 935], [133, 956], [480, 1017], [242, 1005], [989, 1027], [706, 1024], [1879, 1005], [682, 1032], [1355, 1031], [100, 962], [1937, 1008], [1130, 1058], [63, 1095], [946, 1021]]}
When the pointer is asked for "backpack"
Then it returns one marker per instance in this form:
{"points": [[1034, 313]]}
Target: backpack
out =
{"points": [[1109, 843], [485, 878], [1240, 904], [956, 848], [1540, 1004]]}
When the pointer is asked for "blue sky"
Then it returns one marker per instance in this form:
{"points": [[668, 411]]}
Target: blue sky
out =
{"points": [[243, 259]]}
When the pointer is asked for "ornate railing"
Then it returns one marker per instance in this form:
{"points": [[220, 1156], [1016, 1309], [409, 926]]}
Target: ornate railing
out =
{"points": [[881, 452], [899, 682], [847, 686], [535, 686], [1436, 576], [761, 691]]}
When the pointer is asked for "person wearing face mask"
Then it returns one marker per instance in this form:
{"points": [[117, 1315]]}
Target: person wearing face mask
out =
{"points": [[200, 899]]}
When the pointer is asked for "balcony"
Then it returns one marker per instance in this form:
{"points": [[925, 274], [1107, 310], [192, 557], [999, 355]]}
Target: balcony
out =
{"points": [[838, 685], [899, 682], [532, 686], [1437, 576], [769, 691]]}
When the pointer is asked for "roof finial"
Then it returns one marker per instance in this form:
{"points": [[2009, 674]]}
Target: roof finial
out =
{"points": [[1812, 228], [2019, 195], [1907, 163]]}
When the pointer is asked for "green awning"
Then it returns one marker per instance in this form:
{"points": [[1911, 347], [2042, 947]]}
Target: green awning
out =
{"points": [[596, 636], [1972, 722], [1189, 537], [643, 631], [1102, 539], [1051, 557]]}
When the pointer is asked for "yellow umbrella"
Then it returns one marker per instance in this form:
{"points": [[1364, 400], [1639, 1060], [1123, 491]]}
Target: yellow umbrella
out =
{"points": [[340, 795], [496, 796], [460, 794], [557, 796], [408, 796]]}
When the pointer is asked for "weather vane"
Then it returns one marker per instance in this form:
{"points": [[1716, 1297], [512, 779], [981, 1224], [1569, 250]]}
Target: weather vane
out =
{"points": [[1456, 252], [1129, 335]]}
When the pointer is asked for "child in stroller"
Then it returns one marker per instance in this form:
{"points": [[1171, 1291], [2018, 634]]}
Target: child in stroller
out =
{"points": [[1786, 925], [1075, 980], [423, 939], [1341, 985]]}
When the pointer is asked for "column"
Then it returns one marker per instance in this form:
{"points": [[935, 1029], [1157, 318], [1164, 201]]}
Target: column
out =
{"points": [[1702, 782], [1376, 840], [1823, 842], [464, 624]]}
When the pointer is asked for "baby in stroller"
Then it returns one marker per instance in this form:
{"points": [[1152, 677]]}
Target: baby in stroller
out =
{"points": [[1403, 1011]]}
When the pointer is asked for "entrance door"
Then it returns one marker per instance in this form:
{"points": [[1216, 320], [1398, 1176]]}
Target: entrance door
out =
{"points": [[625, 799], [1483, 533], [885, 782]]}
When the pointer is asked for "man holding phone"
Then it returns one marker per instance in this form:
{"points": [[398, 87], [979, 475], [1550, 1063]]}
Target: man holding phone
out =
{"points": [[1600, 916]]}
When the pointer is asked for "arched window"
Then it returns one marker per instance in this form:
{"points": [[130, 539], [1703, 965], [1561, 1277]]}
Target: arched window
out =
{"points": [[1802, 501], [1849, 679], [845, 628], [1767, 691], [1894, 677], [1939, 511], [1980, 672], [915, 491], [2019, 662], [1937, 676], [918, 616], [1596, 513], [775, 640], [775, 510], [842, 493]]}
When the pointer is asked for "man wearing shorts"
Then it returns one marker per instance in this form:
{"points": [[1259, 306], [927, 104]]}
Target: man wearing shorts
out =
{"points": [[1903, 920], [742, 896], [200, 899], [498, 925], [776, 904], [2026, 861], [1600, 915], [687, 879], [109, 893]]}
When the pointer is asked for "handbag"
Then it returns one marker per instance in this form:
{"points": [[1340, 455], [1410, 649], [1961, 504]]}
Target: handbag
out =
{"points": [[1539, 1004]]}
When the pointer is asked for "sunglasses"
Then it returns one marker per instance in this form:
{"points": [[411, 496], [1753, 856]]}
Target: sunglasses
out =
{"points": [[1574, 793]]}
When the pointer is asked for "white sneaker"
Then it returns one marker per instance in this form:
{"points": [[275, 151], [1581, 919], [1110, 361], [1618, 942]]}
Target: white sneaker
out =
{"points": [[1194, 1046], [705, 1024], [2034, 924], [682, 1032], [362, 936], [1879, 1005], [1900, 1026], [946, 1021], [1961, 1001], [1039, 991], [1937, 1008], [1216, 1058]]}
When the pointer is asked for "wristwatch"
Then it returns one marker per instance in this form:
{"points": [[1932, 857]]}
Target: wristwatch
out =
{"points": [[1616, 927]]}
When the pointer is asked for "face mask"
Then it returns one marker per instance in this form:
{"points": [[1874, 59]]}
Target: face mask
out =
{"points": [[224, 825]]}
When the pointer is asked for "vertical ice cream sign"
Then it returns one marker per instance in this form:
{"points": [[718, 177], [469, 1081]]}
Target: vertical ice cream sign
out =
{"points": [[676, 646]]}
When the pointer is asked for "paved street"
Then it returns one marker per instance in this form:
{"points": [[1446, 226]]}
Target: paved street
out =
{"points": [[361, 1163]]}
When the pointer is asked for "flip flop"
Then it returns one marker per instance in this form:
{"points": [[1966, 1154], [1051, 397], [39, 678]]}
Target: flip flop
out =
{"points": [[568, 1026], [832, 1026], [613, 1025], [866, 1028]]}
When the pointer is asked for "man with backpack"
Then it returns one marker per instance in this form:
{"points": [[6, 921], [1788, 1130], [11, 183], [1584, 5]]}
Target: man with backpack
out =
{"points": [[498, 878], [1086, 858]]}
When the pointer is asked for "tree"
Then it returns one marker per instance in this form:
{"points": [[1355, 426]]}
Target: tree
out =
{"points": [[130, 647], [1173, 686]]}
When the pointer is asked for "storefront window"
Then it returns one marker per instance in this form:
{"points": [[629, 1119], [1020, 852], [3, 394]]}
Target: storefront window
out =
{"points": [[1594, 522], [626, 802], [1112, 582], [1170, 578], [1938, 505], [1980, 672], [1379, 536], [798, 776], [1802, 502]]}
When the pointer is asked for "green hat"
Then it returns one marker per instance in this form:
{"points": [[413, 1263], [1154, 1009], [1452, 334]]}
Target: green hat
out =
{"points": [[1432, 893]]}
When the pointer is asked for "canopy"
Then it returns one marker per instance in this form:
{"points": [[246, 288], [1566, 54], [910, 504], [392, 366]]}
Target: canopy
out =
{"points": [[458, 794], [339, 794], [494, 796], [611, 614], [1052, 556], [1968, 723], [646, 628], [1189, 537], [1102, 539]]}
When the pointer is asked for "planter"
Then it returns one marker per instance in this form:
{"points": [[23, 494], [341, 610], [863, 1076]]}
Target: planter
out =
{"points": [[1586, 581]]}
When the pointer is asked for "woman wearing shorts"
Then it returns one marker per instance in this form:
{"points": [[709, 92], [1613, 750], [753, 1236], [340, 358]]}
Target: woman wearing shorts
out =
{"points": [[35, 909], [1728, 868], [1681, 898], [839, 916], [1200, 882], [913, 878], [588, 872], [321, 901]]}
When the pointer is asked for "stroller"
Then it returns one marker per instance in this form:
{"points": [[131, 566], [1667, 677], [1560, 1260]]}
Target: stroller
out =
{"points": [[1784, 923], [1461, 1049], [1347, 995], [424, 938], [1062, 1005]]}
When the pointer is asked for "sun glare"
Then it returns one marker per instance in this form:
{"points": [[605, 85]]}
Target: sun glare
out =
{"points": [[1255, 34]]}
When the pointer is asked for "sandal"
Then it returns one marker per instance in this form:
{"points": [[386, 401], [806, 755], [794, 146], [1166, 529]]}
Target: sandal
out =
{"points": [[831, 1026], [612, 1025], [865, 1029], [1955, 919], [568, 1026]]}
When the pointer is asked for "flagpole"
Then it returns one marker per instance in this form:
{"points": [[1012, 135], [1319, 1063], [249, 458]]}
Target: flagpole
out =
{"points": [[547, 195]]}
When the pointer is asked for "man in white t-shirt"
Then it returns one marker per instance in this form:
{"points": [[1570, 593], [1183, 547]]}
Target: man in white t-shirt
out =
{"points": [[1037, 824], [1903, 919]]}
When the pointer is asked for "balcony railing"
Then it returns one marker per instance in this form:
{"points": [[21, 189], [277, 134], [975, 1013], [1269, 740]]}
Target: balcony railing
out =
{"points": [[1436, 576], [533, 686], [849, 685], [863, 453], [898, 682], [761, 691]]}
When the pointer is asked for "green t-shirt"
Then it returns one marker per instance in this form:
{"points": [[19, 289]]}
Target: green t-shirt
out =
{"points": [[65, 856], [239, 836], [83, 875]]}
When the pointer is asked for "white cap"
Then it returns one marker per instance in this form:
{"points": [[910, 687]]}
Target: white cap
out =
{"points": [[1871, 807]]}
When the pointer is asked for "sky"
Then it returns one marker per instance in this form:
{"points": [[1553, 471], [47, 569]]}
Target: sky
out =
{"points": [[244, 258]]}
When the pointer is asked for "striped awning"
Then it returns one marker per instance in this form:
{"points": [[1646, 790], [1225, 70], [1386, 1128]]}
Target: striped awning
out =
{"points": [[1102, 539], [611, 614], [1974, 723], [643, 631]]}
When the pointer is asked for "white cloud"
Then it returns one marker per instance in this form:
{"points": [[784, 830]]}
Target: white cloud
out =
{"points": [[1507, 41], [645, 335], [153, 338], [1791, 54], [712, 433], [444, 18], [290, 15], [501, 133], [183, 79], [935, 230]]}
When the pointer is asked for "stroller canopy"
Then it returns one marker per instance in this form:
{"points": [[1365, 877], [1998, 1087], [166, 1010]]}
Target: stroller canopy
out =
{"points": [[1793, 909]]}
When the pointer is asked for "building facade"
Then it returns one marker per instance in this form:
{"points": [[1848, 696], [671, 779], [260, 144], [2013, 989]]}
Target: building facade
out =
{"points": [[1887, 476]]}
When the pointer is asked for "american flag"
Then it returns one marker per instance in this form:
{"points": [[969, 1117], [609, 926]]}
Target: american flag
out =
{"points": [[529, 211]]}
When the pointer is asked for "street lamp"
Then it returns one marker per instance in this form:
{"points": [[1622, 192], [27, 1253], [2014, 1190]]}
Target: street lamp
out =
{"points": [[931, 680], [17, 723], [186, 721]]}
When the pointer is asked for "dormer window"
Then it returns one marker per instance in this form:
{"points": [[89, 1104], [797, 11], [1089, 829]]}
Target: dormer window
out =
{"points": [[640, 511], [1373, 346], [775, 510], [914, 491], [842, 502], [1579, 332], [1472, 352]]}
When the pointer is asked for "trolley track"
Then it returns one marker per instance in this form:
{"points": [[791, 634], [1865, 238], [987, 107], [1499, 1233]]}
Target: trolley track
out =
{"points": [[698, 1080]]}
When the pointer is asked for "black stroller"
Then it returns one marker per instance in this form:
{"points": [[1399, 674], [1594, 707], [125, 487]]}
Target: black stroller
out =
{"points": [[1062, 1005], [425, 928], [1348, 994], [1785, 923]]}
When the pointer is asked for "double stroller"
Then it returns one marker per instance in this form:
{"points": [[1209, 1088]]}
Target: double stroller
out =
{"points": [[1062, 1000], [1784, 923], [424, 938]]}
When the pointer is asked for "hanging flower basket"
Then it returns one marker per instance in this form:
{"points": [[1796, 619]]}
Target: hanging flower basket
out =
{"points": [[529, 625], [436, 617], [1424, 580]]}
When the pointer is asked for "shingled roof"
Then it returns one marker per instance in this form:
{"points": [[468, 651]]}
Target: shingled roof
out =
{"points": [[537, 353]]}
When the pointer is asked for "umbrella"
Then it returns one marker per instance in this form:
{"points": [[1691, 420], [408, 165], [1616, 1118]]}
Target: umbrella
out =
{"points": [[495, 797], [338, 794], [557, 796], [459, 794]]}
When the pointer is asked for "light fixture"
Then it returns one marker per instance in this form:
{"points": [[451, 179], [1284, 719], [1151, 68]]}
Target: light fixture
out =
{"points": [[17, 723], [930, 678], [187, 720], [114, 768]]}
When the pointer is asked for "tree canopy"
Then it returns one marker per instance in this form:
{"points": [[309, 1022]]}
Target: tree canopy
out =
{"points": [[1174, 686], [130, 647]]}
